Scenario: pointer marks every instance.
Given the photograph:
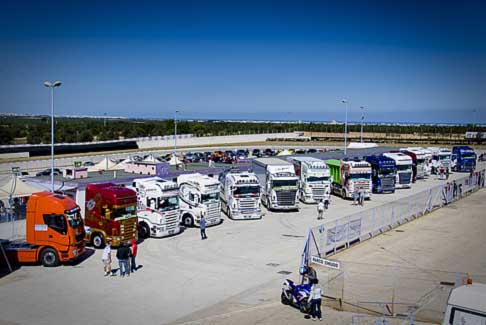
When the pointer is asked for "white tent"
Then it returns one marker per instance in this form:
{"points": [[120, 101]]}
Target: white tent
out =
{"points": [[105, 164], [175, 161], [121, 165], [151, 159], [16, 187]]}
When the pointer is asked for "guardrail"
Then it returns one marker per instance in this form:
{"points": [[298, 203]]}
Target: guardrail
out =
{"points": [[336, 235]]}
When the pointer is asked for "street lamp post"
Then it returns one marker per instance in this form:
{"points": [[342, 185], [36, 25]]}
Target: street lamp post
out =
{"points": [[175, 132], [52, 86], [346, 103], [362, 119]]}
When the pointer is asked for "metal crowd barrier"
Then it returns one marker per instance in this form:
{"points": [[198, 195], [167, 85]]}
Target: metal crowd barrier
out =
{"points": [[335, 235]]}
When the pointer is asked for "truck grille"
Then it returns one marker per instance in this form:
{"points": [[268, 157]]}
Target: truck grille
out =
{"points": [[247, 205], [128, 228], [318, 193], [214, 212], [387, 183], [172, 219], [286, 198], [446, 164], [404, 178], [362, 184]]}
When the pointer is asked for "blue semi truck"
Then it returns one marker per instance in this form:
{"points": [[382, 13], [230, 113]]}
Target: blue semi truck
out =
{"points": [[464, 158], [383, 173]]}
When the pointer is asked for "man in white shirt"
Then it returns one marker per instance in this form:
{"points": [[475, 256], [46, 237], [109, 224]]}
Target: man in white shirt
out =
{"points": [[106, 257], [315, 297], [320, 209]]}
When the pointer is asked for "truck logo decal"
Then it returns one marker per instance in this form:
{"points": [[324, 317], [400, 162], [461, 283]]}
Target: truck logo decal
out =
{"points": [[90, 204], [40, 227]]}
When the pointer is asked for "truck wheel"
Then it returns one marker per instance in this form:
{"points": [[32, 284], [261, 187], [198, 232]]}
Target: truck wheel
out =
{"points": [[144, 230], [49, 257], [343, 193], [187, 220], [228, 213], [268, 204], [97, 240]]}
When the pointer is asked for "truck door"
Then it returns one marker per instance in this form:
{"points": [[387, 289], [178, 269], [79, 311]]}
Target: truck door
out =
{"points": [[57, 231]]}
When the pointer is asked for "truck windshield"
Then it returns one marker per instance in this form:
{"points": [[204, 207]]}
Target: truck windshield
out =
{"points": [[468, 155], [206, 198], [402, 168], [168, 203], [247, 191], [282, 183], [360, 175], [126, 212], [74, 219], [315, 179], [444, 157], [386, 172]]}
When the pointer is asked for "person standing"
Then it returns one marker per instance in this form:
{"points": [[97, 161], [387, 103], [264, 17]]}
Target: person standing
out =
{"points": [[122, 254], [311, 274], [106, 257], [454, 189], [320, 209], [355, 196], [327, 200], [315, 298], [133, 255], [202, 226], [361, 196]]}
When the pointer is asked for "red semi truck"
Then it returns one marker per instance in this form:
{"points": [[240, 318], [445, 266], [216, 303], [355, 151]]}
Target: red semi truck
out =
{"points": [[54, 231], [109, 212]]}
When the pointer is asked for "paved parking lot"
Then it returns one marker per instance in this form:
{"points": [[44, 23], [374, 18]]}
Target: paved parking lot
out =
{"points": [[178, 275]]}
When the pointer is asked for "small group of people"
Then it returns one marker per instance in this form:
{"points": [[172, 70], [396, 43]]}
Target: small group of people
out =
{"points": [[358, 196], [126, 255], [322, 206], [315, 293]]}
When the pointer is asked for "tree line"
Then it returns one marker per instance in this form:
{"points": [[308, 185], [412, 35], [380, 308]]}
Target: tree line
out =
{"points": [[36, 130]]}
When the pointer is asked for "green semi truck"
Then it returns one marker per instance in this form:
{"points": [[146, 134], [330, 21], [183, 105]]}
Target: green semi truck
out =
{"points": [[348, 176]]}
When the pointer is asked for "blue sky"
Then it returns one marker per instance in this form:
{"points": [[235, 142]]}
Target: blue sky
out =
{"points": [[420, 61]]}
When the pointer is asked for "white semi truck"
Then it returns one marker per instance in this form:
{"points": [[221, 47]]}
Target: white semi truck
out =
{"points": [[199, 195], [278, 182], [157, 207], [404, 169], [314, 178], [418, 161], [441, 158], [240, 195]]}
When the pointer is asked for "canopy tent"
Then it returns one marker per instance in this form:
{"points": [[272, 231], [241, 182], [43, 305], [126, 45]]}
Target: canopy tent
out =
{"points": [[175, 161], [15, 187], [121, 165], [105, 164], [152, 159]]}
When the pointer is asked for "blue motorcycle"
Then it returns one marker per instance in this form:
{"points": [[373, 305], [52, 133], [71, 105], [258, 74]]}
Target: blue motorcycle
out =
{"points": [[296, 295]]}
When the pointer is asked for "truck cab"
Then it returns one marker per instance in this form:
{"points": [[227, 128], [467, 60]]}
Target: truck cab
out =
{"points": [[109, 212], [278, 182], [418, 162], [199, 195], [54, 231], [466, 305], [158, 209], [465, 158], [403, 162], [240, 195], [314, 178], [383, 173], [441, 158], [348, 176]]}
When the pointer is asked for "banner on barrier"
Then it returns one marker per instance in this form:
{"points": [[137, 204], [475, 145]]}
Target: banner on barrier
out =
{"points": [[348, 231]]}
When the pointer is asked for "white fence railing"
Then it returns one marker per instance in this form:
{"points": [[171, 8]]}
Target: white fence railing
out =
{"points": [[335, 235]]}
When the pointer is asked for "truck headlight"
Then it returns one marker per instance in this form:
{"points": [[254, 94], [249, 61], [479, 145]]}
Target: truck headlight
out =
{"points": [[75, 252], [233, 205]]}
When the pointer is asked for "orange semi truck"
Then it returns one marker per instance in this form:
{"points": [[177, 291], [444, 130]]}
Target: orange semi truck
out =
{"points": [[54, 231]]}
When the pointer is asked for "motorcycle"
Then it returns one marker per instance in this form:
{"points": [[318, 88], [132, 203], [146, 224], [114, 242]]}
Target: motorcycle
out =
{"points": [[296, 295]]}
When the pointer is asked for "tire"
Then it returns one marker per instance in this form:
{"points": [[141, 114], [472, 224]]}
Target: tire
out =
{"points": [[144, 230], [303, 308], [97, 240], [268, 204], [284, 299], [49, 257], [343, 194], [228, 213], [187, 220]]}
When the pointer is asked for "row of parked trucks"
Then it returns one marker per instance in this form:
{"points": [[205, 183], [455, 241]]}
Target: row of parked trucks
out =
{"points": [[154, 207]]}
